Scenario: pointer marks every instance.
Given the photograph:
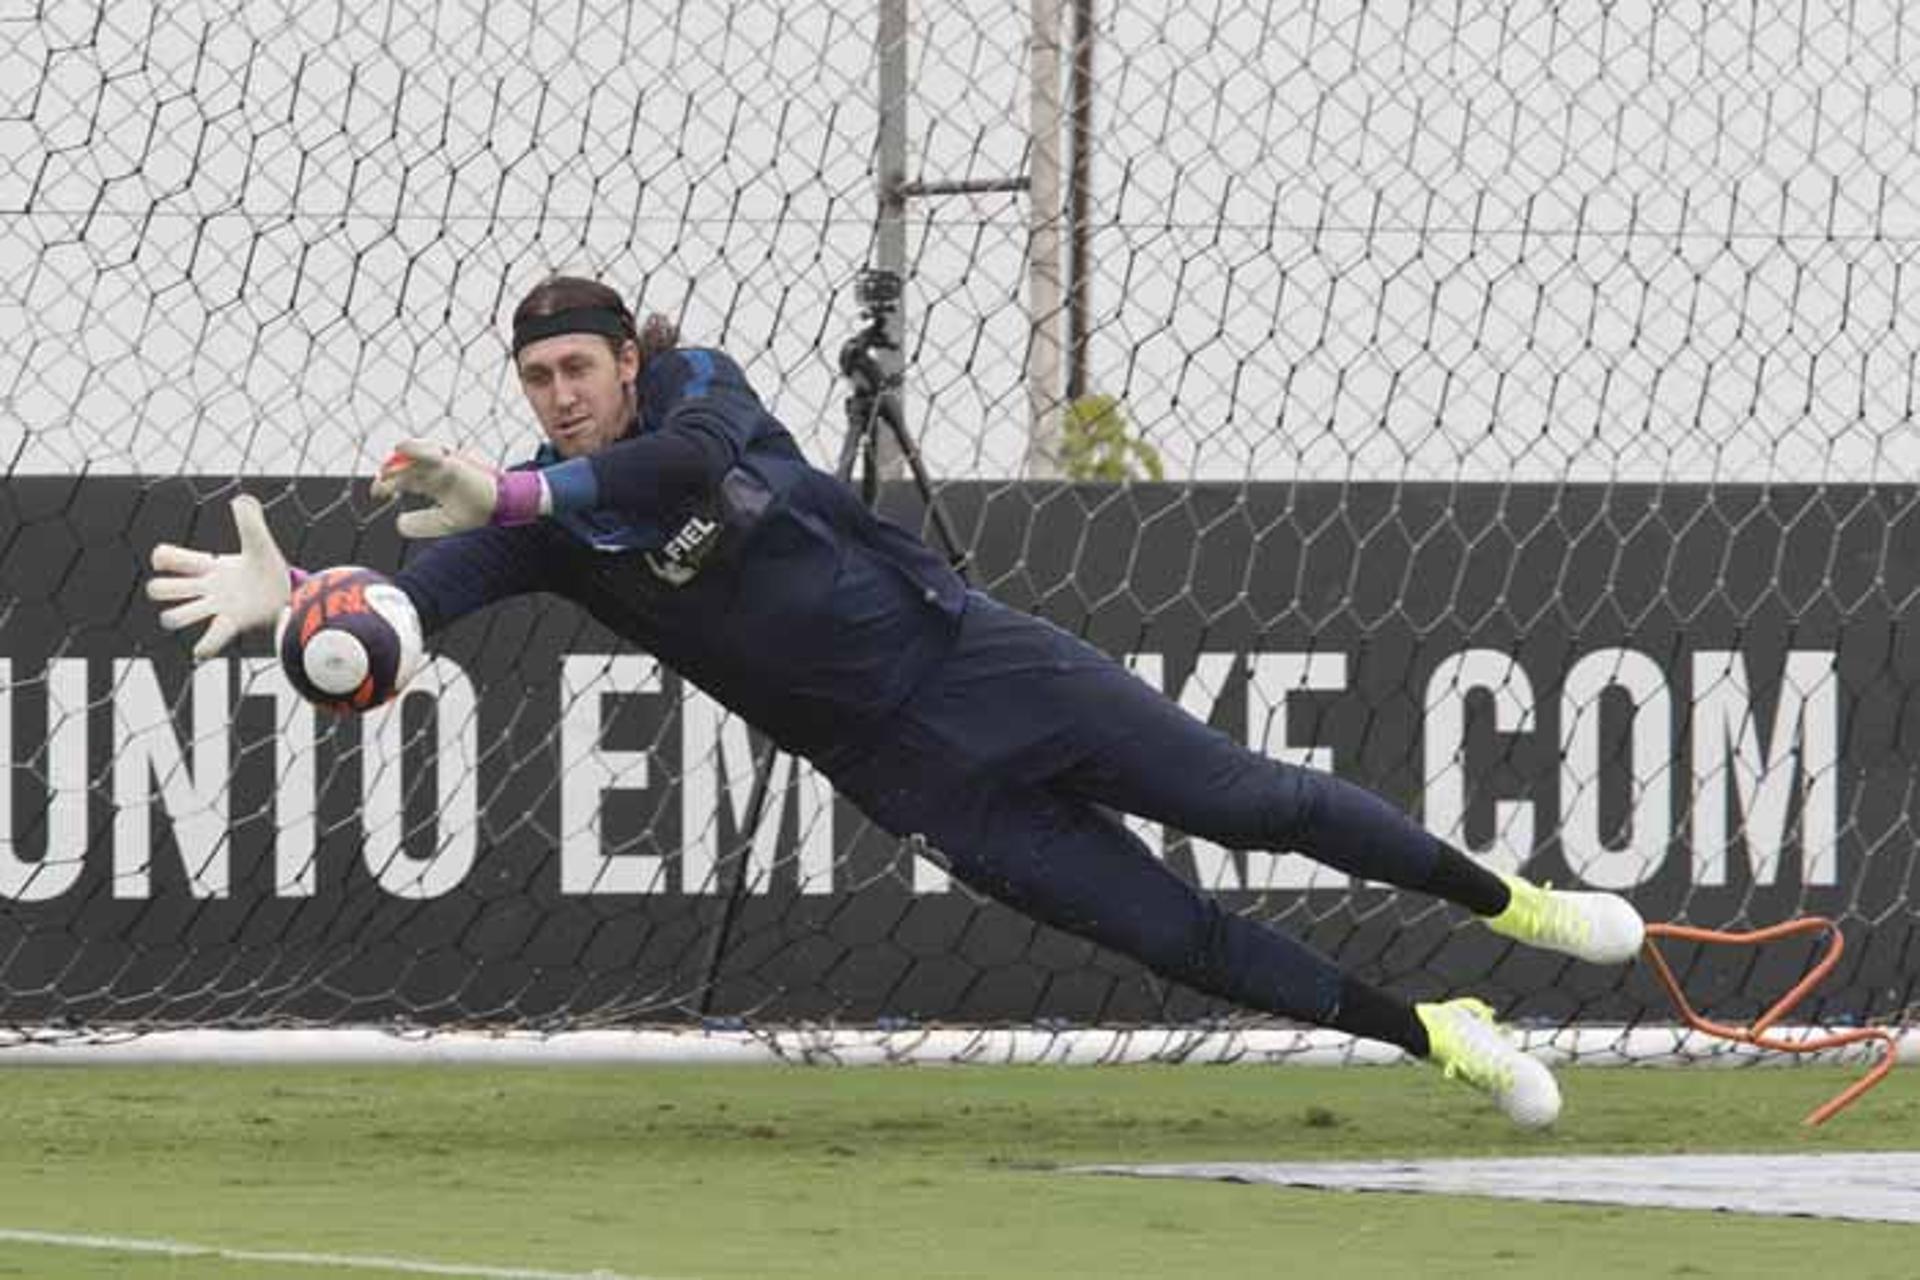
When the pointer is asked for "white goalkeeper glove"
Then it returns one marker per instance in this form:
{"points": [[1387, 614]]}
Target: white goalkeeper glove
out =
{"points": [[465, 494], [239, 593]]}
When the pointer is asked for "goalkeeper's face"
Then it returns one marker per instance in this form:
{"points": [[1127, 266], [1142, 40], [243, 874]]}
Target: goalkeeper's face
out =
{"points": [[581, 391]]}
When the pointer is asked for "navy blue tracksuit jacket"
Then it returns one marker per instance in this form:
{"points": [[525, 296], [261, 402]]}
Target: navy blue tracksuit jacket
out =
{"points": [[707, 539]]}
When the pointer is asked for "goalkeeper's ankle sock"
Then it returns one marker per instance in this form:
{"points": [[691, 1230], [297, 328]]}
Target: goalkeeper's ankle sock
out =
{"points": [[1379, 1015], [1459, 879]]}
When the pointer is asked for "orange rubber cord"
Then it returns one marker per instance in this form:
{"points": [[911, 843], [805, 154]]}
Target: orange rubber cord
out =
{"points": [[1756, 1033]]}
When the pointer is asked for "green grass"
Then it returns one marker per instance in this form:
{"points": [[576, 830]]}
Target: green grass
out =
{"points": [[908, 1172]]}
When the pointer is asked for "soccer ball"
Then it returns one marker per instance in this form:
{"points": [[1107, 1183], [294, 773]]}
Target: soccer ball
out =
{"points": [[349, 639]]}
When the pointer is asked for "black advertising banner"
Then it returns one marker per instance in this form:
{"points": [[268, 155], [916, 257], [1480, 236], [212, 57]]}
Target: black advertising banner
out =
{"points": [[1702, 696]]}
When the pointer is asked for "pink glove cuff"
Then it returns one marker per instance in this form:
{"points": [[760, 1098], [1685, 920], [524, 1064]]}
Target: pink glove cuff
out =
{"points": [[516, 497]]}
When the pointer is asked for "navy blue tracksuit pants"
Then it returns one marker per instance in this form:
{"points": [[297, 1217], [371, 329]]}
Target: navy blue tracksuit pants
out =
{"points": [[1008, 758]]}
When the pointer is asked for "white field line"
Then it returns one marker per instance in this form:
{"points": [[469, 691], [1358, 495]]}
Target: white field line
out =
{"points": [[353, 1261]]}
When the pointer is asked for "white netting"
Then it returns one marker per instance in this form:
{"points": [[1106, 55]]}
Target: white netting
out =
{"points": [[1544, 374]]}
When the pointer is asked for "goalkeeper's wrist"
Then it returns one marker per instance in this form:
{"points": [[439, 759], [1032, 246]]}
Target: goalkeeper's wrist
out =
{"points": [[520, 497]]}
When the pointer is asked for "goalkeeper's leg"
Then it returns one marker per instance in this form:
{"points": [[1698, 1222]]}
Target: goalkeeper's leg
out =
{"points": [[1073, 866], [1021, 700], [1139, 752]]}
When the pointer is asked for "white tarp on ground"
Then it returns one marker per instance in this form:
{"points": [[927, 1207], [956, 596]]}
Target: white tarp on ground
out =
{"points": [[1867, 1186]]}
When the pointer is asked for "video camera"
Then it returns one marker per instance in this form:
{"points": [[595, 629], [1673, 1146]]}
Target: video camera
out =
{"points": [[878, 293]]}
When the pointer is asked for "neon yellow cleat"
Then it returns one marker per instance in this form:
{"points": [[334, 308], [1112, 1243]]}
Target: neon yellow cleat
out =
{"points": [[1599, 927], [1468, 1045]]}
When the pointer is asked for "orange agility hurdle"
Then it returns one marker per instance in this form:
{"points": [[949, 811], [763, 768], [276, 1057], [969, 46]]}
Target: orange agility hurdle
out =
{"points": [[1756, 1033]]}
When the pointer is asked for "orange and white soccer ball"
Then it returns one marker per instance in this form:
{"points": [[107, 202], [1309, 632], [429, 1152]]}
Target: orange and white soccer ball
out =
{"points": [[349, 639]]}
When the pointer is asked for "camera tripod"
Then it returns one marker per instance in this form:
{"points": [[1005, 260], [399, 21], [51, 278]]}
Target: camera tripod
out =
{"points": [[873, 403]]}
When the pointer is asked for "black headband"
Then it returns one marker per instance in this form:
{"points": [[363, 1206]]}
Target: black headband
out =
{"points": [[601, 320]]}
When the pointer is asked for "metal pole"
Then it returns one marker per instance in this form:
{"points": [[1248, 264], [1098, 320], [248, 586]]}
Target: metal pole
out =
{"points": [[890, 234], [1079, 199], [1043, 250]]}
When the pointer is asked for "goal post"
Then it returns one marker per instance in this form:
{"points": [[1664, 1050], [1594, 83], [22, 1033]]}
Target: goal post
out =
{"points": [[1534, 391]]}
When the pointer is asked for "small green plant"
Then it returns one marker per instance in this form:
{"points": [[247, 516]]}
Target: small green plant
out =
{"points": [[1096, 444]]}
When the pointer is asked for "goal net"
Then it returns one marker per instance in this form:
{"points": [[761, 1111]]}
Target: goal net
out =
{"points": [[1533, 390]]}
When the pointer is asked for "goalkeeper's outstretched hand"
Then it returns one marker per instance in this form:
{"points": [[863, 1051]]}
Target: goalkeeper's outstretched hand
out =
{"points": [[233, 594], [465, 494]]}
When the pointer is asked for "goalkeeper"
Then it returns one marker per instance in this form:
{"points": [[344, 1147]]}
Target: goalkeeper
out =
{"points": [[672, 506]]}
